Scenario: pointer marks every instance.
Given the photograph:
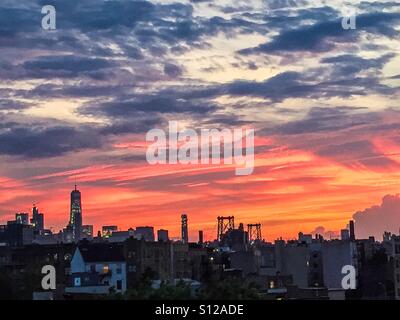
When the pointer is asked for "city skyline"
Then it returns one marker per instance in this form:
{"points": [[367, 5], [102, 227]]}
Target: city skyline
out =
{"points": [[185, 233], [76, 104]]}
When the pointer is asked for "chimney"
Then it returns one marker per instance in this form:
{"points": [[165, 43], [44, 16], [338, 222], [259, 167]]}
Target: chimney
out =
{"points": [[352, 234], [201, 237]]}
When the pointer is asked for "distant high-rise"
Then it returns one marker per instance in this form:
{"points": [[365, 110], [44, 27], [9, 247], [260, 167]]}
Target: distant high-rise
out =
{"points": [[37, 219], [145, 233], [162, 235], [344, 234], [22, 218], [107, 231], [185, 236], [75, 218]]}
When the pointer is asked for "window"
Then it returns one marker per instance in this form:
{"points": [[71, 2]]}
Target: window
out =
{"points": [[119, 284], [92, 268], [272, 284], [106, 268], [77, 282], [119, 269]]}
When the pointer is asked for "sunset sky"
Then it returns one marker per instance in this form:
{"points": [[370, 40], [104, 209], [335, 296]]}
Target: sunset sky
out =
{"points": [[76, 103]]}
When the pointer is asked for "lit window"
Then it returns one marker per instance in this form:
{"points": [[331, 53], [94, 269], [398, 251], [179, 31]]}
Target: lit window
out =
{"points": [[271, 284], [77, 282], [106, 268]]}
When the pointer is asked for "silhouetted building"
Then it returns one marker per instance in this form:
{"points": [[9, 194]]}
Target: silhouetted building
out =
{"points": [[201, 237], [235, 239], [352, 232], [121, 236], [184, 226], [335, 255], [107, 231], [16, 234], [344, 234], [145, 233], [22, 218], [75, 220], [37, 220], [87, 231], [396, 264], [162, 235]]}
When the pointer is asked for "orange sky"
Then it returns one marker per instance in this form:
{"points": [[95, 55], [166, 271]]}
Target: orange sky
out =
{"points": [[290, 191]]}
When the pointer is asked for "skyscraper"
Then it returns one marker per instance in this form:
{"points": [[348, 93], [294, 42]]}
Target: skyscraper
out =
{"points": [[75, 219], [37, 219], [185, 236]]}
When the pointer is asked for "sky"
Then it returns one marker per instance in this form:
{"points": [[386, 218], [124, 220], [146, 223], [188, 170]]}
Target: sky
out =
{"points": [[76, 104]]}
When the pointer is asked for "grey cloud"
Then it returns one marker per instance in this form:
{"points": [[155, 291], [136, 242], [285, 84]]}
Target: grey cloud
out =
{"points": [[379, 218], [46, 142], [321, 36]]}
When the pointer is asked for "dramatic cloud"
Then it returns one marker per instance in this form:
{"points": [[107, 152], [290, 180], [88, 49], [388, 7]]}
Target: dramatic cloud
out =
{"points": [[327, 234], [47, 142], [77, 101], [324, 36], [378, 219]]}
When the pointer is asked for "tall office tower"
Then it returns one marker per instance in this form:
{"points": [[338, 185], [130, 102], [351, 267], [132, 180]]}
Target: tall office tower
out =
{"points": [[185, 237], [352, 233], [37, 219], [22, 218], [75, 218]]}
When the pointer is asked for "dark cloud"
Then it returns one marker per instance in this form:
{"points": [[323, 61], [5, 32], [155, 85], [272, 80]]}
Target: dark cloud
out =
{"points": [[12, 105], [67, 66], [324, 35], [139, 124], [347, 64], [130, 108], [46, 142], [67, 63], [327, 119], [122, 55], [172, 70]]}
